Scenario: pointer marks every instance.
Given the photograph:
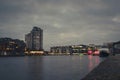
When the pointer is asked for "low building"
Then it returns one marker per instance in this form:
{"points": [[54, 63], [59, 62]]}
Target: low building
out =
{"points": [[10, 47], [79, 49], [74, 49], [60, 50], [116, 47]]}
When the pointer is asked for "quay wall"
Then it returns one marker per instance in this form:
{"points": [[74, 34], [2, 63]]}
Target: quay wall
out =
{"points": [[109, 69]]}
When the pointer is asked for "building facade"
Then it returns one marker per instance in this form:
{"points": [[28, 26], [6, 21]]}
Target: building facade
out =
{"points": [[116, 47], [11, 47], [73, 49], [34, 39], [61, 50]]}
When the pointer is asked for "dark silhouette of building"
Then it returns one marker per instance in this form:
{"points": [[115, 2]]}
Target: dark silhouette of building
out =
{"points": [[116, 48], [9, 47], [34, 39]]}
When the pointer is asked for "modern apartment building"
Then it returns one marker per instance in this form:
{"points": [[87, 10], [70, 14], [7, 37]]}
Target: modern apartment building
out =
{"points": [[34, 39]]}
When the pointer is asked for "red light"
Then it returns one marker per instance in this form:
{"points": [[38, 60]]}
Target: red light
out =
{"points": [[90, 52]]}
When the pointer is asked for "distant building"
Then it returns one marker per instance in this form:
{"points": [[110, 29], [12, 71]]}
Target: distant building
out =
{"points": [[11, 47], [34, 39], [79, 49], [116, 47], [61, 50], [74, 49]]}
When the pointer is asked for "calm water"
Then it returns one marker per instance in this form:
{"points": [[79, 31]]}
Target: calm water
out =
{"points": [[47, 67]]}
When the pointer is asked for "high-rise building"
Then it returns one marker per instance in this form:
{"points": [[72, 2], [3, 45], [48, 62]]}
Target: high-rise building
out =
{"points": [[34, 39]]}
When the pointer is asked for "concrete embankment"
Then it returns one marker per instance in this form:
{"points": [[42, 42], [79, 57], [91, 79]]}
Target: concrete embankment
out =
{"points": [[106, 70]]}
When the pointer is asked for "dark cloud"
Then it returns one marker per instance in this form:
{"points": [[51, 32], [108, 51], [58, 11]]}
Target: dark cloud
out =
{"points": [[64, 21]]}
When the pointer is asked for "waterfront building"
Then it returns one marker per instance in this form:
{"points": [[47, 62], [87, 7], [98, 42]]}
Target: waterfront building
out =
{"points": [[116, 47], [61, 50], [79, 49], [11, 47], [73, 49], [34, 39]]}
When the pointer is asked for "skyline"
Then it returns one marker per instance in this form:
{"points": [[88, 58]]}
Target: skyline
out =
{"points": [[64, 22]]}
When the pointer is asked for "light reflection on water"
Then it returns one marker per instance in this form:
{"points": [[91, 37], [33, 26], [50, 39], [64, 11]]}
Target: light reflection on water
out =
{"points": [[47, 67], [93, 63]]}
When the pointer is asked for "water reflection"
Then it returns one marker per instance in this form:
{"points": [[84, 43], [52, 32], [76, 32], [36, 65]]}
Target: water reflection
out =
{"points": [[35, 68], [93, 61], [47, 67], [90, 63], [60, 67]]}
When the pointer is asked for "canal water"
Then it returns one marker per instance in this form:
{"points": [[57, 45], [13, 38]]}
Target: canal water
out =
{"points": [[47, 67]]}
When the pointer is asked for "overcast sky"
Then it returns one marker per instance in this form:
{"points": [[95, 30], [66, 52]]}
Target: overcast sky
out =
{"points": [[64, 22]]}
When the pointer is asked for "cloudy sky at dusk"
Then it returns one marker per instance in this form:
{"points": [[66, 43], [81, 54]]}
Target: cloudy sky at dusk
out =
{"points": [[64, 22]]}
